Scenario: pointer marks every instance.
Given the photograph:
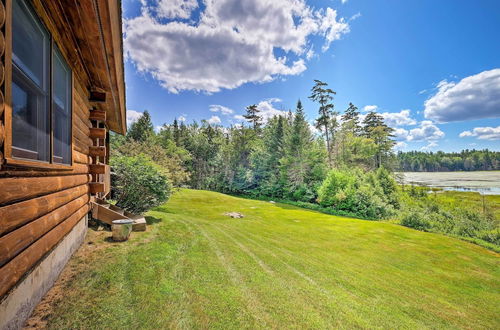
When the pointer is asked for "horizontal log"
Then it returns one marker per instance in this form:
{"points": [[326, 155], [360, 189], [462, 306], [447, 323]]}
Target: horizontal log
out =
{"points": [[97, 151], [82, 134], [81, 158], [97, 133], [16, 189], [2, 69], [15, 215], [82, 122], [75, 169], [80, 148], [2, 133], [97, 168], [82, 145], [97, 115], [16, 241], [2, 103], [96, 187], [2, 14], [15, 269]]}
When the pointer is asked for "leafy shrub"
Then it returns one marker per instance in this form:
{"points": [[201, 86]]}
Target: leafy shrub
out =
{"points": [[416, 221], [138, 184], [368, 195]]}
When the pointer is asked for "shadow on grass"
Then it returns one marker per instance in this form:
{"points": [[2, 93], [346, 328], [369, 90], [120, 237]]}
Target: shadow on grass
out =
{"points": [[152, 220], [110, 239]]}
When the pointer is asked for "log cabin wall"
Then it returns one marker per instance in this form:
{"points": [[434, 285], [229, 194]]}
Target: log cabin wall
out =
{"points": [[41, 203]]}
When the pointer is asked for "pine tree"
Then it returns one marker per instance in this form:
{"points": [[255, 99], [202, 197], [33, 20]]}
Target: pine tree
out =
{"points": [[350, 120], [252, 116], [298, 148], [376, 129], [176, 132], [142, 129], [324, 96]]}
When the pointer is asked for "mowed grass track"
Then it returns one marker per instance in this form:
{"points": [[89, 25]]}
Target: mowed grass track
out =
{"points": [[280, 267]]}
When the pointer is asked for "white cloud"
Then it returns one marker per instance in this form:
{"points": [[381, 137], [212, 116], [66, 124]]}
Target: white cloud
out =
{"points": [[239, 117], [368, 108], [267, 109], [401, 118], [355, 16], [133, 116], [176, 8], [483, 133], [473, 97], [430, 145], [344, 1], [220, 108], [234, 40], [182, 118], [400, 145], [214, 120], [400, 134], [426, 132]]}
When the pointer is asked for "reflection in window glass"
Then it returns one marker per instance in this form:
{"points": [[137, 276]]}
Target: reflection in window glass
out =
{"points": [[61, 109], [30, 111]]}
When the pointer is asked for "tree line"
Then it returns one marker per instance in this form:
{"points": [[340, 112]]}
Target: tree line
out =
{"points": [[340, 165], [280, 158], [466, 160]]}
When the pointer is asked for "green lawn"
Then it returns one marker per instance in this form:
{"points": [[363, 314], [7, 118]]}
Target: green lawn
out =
{"points": [[279, 267]]}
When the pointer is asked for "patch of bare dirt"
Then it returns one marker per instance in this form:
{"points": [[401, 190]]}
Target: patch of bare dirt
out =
{"points": [[94, 241]]}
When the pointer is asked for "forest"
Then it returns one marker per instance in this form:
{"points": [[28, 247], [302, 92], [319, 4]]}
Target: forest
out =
{"points": [[347, 169], [466, 160]]}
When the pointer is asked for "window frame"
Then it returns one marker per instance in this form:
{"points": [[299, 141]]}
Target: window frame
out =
{"points": [[54, 45]]}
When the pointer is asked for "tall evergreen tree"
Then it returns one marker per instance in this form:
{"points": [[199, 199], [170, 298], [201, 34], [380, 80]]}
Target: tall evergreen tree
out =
{"points": [[298, 149], [375, 128], [350, 120], [142, 129], [252, 116], [176, 132], [324, 96]]}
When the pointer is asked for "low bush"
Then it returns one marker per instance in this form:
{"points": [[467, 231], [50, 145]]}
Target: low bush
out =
{"points": [[138, 184], [416, 221]]}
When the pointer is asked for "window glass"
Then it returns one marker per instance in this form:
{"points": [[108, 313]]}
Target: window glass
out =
{"points": [[61, 106], [30, 110], [30, 44]]}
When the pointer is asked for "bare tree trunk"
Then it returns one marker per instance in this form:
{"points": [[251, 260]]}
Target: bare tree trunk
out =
{"points": [[328, 150]]}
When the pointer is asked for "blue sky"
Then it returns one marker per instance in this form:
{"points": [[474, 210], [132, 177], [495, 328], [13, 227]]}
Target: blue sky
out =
{"points": [[432, 68]]}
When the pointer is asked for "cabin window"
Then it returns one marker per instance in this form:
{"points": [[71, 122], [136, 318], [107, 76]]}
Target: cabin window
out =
{"points": [[61, 97], [41, 91]]}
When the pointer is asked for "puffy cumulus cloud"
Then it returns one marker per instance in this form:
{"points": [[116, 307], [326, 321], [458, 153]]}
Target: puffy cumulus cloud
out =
{"points": [[401, 118], [400, 134], [267, 109], [182, 118], [220, 108], [234, 40], [176, 8], [426, 132], [483, 133], [368, 108], [239, 117], [214, 120], [473, 97], [133, 116]]}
